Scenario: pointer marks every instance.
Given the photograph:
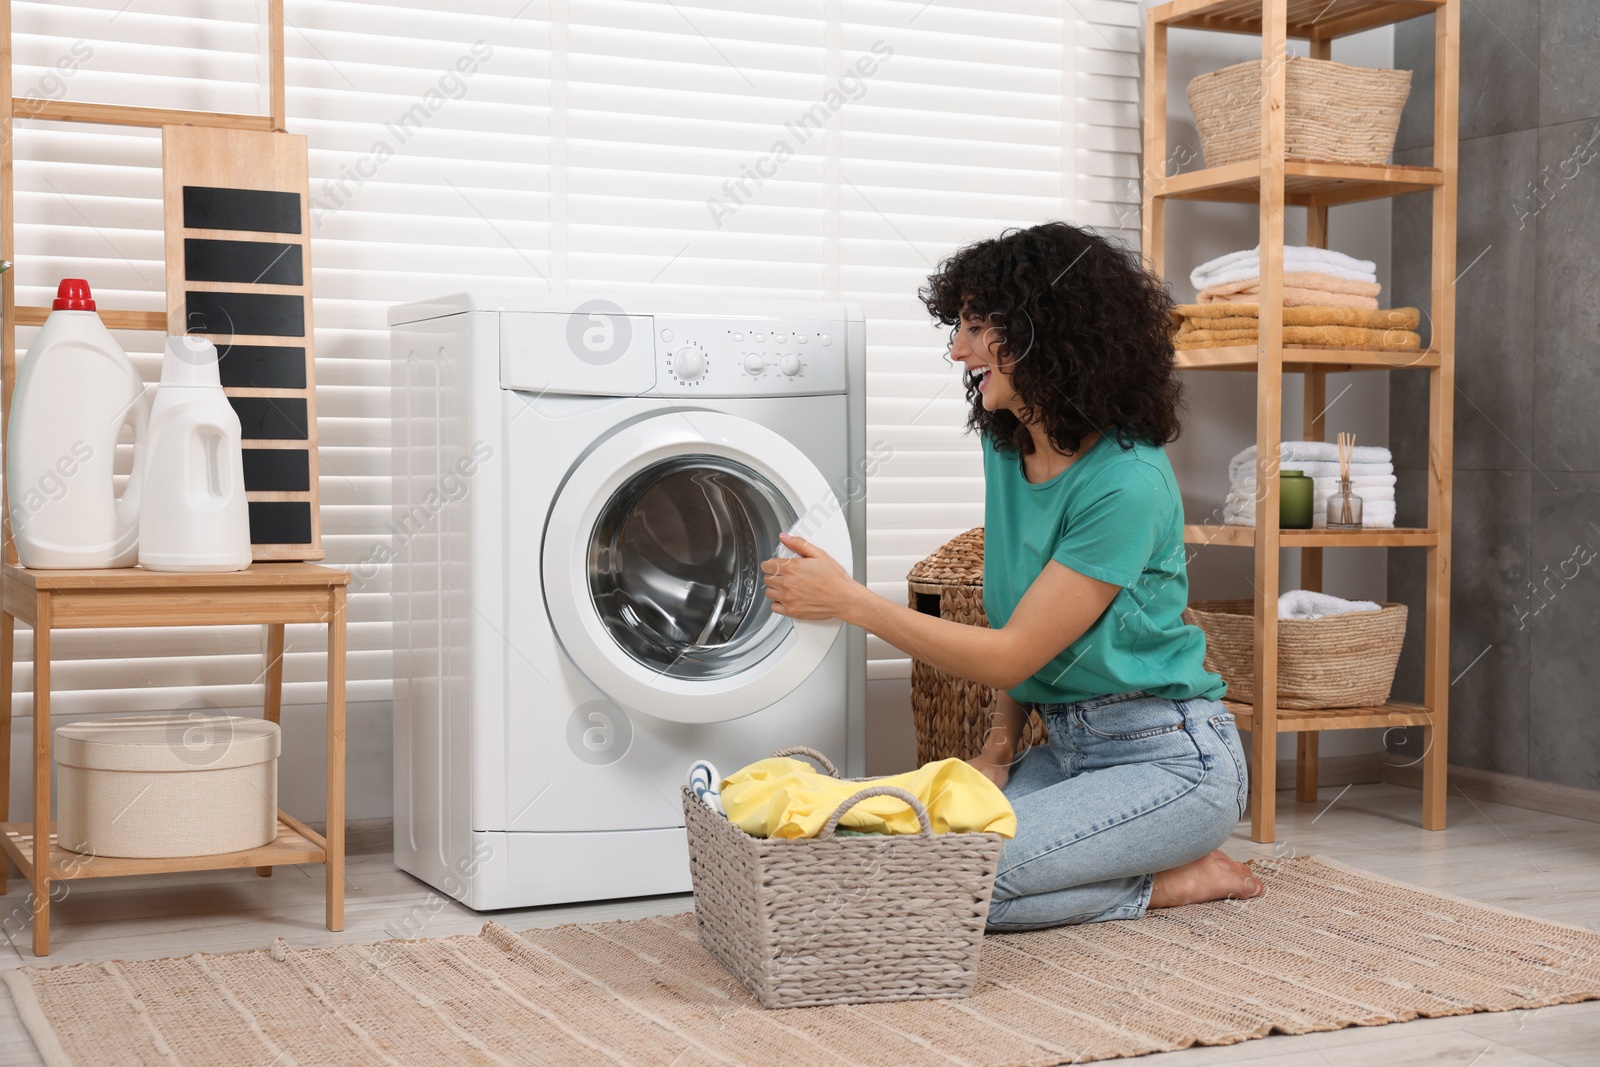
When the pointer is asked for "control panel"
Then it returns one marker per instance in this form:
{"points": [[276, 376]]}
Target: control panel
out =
{"points": [[748, 356]]}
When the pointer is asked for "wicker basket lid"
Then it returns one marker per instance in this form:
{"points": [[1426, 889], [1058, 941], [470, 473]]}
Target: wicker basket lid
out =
{"points": [[959, 561], [168, 743]]}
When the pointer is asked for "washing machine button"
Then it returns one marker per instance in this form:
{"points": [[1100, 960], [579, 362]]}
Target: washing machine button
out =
{"points": [[824, 339], [755, 363], [689, 364], [759, 338], [780, 338], [737, 336], [801, 338], [666, 335]]}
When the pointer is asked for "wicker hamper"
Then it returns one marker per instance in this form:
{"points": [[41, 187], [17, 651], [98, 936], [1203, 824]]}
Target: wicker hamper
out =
{"points": [[1337, 661], [951, 715], [1333, 112], [841, 920]]}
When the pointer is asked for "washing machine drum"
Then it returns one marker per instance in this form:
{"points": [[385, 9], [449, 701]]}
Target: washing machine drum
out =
{"points": [[652, 566]]}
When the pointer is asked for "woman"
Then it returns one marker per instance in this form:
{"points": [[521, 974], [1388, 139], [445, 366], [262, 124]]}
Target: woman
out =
{"points": [[1065, 347]]}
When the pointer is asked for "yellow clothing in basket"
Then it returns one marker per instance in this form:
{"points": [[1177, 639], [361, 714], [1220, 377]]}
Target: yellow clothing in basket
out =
{"points": [[784, 797]]}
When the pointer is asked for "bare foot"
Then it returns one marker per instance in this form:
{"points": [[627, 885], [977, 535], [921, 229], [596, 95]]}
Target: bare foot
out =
{"points": [[1211, 877]]}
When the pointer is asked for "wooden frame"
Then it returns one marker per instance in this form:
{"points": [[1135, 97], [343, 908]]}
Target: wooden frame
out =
{"points": [[1273, 183], [270, 161], [268, 594]]}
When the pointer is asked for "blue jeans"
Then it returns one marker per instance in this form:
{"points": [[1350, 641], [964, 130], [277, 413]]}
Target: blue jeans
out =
{"points": [[1128, 785]]}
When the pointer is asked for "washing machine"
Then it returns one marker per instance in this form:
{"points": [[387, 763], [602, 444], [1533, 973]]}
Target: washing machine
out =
{"points": [[583, 495]]}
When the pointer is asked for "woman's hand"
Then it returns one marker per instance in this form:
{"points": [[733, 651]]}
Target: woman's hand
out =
{"points": [[812, 586]]}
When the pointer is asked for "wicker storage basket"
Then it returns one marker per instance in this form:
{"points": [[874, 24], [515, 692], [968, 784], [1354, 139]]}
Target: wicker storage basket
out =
{"points": [[841, 920], [951, 715], [1334, 112], [167, 786], [1339, 661]]}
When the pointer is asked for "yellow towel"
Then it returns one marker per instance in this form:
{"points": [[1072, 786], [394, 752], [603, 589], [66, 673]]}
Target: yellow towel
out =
{"points": [[782, 797], [1312, 315], [1321, 336]]}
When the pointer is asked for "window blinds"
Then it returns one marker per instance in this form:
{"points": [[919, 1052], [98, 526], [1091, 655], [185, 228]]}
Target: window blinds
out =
{"points": [[830, 149]]}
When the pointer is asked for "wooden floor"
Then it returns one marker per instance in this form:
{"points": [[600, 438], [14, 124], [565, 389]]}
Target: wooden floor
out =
{"points": [[1534, 863]]}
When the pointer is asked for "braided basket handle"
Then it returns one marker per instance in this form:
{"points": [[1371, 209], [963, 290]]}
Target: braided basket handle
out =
{"points": [[878, 791], [811, 754]]}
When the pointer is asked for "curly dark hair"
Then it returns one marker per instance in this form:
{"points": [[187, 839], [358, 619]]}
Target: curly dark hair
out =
{"points": [[1085, 328]]}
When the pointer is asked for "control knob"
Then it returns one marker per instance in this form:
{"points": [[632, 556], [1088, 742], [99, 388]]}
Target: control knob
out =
{"points": [[755, 363], [689, 364], [790, 364]]}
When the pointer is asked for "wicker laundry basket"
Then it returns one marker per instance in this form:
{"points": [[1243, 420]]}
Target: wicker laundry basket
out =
{"points": [[1338, 661], [1334, 112], [842, 920], [951, 715]]}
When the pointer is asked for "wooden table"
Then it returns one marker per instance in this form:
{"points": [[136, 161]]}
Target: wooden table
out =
{"points": [[272, 594]]}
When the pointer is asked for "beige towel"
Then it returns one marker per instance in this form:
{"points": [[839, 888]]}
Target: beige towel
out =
{"points": [[1321, 336], [1299, 287], [1293, 297], [1314, 315]]}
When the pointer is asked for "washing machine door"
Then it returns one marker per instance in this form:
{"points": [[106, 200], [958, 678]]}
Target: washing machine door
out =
{"points": [[652, 565]]}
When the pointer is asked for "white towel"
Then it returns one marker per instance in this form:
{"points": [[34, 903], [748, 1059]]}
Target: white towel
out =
{"points": [[1299, 455], [1245, 264], [1377, 515], [1307, 604], [1362, 484], [1362, 471], [1244, 502]]}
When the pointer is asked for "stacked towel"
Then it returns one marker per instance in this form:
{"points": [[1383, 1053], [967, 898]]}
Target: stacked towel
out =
{"points": [[1297, 455], [1299, 287], [1224, 324], [1371, 478], [1241, 266], [1309, 604], [1317, 276]]}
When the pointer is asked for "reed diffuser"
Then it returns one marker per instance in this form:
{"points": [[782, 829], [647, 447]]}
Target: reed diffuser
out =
{"points": [[1344, 506]]}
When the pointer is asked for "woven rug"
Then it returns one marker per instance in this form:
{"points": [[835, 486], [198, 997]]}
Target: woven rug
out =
{"points": [[1325, 947]]}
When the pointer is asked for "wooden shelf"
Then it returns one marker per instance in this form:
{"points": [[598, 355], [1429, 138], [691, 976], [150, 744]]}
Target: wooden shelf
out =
{"points": [[295, 843], [1206, 533], [1305, 183], [1306, 359], [1293, 720], [1309, 19], [1270, 181]]}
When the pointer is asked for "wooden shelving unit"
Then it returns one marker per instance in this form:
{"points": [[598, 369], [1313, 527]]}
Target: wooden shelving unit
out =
{"points": [[1273, 182], [271, 594]]}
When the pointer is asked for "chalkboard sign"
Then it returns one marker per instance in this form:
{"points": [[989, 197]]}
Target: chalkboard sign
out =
{"points": [[239, 273]]}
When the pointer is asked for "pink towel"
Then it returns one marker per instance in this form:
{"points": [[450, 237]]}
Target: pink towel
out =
{"points": [[1299, 288]]}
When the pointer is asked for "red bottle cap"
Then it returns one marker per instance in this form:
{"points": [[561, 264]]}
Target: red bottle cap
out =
{"points": [[73, 295]]}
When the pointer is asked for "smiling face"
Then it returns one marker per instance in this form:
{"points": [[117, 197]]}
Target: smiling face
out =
{"points": [[978, 346]]}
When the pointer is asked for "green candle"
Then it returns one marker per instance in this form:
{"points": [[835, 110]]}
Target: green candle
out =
{"points": [[1294, 500]]}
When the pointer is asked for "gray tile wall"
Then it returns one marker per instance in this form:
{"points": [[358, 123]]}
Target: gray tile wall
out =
{"points": [[1525, 618]]}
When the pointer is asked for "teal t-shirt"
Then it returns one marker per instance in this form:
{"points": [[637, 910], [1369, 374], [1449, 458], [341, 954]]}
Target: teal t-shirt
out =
{"points": [[1114, 515]]}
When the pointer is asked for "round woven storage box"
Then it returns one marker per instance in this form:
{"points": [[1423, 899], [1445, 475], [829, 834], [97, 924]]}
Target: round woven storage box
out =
{"points": [[1333, 113], [1338, 661], [181, 785], [952, 715]]}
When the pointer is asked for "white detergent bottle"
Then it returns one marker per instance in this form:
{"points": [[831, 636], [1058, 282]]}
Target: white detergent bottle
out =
{"points": [[193, 515], [75, 391]]}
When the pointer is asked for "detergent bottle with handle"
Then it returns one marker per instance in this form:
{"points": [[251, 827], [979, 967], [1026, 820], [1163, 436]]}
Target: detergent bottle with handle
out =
{"points": [[193, 515], [75, 391]]}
